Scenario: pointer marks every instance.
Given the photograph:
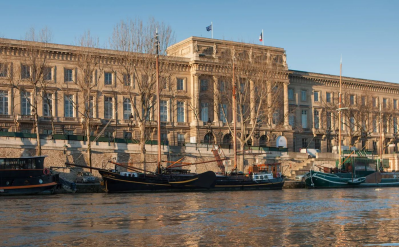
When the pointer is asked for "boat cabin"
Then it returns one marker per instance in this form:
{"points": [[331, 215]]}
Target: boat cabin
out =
{"points": [[36, 162], [262, 176]]}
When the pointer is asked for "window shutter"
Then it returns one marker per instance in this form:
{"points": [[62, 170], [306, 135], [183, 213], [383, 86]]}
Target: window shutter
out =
{"points": [[76, 75]]}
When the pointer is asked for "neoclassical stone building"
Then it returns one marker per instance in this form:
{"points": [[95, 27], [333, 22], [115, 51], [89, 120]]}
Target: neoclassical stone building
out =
{"points": [[190, 110]]}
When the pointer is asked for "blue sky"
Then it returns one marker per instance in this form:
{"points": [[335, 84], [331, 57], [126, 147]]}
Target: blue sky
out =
{"points": [[314, 33]]}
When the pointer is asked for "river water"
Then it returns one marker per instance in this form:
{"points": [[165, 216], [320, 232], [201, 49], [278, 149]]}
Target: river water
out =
{"points": [[300, 217]]}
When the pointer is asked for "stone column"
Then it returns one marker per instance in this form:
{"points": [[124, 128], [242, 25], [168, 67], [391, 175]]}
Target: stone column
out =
{"points": [[252, 101], [286, 105], [195, 100], [216, 95], [169, 111], [269, 103]]}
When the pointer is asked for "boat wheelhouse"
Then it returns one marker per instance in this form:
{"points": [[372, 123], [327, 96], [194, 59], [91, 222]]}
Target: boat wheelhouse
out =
{"points": [[26, 175]]}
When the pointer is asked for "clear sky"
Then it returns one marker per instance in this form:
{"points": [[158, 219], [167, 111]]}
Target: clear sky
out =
{"points": [[314, 33]]}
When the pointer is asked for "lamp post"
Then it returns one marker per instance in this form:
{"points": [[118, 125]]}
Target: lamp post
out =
{"points": [[209, 134]]}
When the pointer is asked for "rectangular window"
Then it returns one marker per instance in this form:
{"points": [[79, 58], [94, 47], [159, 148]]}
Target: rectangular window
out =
{"points": [[164, 138], [25, 103], [204, 112], [304, 119], [276, 117], [328, 97], [180, 112], [395, 125], [180, 84], [303, 95], [3, 70], [68, 106], [91, 107], [47, 104], [180, 139], [68, 75], [352, 123], [317, 143], [223, 113], [316, 119], [395, 104], [375, 130], [25, 71], [304, 143], [3, 102], [384, 102], [291, 120], [107, 78], [127, 108], [352, 99], [126, 80], [204, 85], [363, 100], [221, 86], [374, 102], [316, 96], [329, 120], [164, 110], [47, 74], [290, 94], [108, 109]]}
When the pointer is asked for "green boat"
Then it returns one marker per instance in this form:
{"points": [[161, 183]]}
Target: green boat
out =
{"points": [[354, 173]]}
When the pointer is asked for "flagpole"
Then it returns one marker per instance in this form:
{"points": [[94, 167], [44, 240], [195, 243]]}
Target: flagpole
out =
{"points": [[212, 29], [263, 38]]}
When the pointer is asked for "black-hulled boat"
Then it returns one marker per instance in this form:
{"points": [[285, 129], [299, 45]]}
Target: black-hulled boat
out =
{"points": [[167, 181], [26, 176]]}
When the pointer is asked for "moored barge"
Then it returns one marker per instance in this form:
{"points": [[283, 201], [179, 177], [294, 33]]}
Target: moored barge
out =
{"points": [[26, 176]]}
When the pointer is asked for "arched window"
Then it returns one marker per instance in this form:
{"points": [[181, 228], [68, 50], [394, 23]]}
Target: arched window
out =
{"points": [[262, 140], [227, 139], [208, 139]]}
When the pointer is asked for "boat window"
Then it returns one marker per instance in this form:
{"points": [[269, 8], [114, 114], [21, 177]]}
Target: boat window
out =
{"points": [[2, 164]]}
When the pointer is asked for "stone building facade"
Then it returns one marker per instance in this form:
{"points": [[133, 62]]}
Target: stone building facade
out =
{"points": [[190, 111]]}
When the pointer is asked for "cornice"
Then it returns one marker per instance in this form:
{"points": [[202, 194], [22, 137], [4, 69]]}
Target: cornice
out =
{"points": [[347, 82]]}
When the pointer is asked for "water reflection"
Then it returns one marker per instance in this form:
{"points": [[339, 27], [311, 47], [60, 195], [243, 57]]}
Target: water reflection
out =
{"points": [[256, 218]]}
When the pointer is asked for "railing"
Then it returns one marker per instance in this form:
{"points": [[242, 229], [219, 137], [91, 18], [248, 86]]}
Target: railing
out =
{"points": [[69, 119], [25, 117], [2, 116]]}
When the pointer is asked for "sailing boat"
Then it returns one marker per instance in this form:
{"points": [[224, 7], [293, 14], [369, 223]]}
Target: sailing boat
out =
{"points": [[137, 180]]}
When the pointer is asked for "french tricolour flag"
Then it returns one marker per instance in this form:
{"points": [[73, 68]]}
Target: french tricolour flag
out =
{"points": [[261, 36]]}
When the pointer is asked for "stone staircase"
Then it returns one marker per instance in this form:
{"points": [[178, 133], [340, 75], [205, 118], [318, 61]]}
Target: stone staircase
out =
{"points": [[301, 169]]}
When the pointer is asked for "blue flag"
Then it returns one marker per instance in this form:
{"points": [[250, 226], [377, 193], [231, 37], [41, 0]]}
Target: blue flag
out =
{"points": [[209, 28]]}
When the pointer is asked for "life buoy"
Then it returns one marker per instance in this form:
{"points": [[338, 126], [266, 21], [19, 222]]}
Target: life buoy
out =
{"points": [[46, 171]]}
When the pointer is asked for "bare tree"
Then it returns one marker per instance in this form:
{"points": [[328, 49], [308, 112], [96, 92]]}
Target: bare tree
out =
{"points": [[90, 71], [258, 93], [34, 74], [135, 40]]}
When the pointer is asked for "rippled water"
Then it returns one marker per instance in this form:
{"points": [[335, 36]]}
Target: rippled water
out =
{"points": [[256, 218]]}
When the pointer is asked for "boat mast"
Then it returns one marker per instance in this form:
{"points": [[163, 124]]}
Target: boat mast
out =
{"points": [[158, 105], [339, 112], [234, 119], [381, 130]]}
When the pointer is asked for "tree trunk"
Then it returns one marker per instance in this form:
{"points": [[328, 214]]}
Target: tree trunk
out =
{"points": [[142, 144], [39, 144], [36, 120], [241, 159], [88, 143]]}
